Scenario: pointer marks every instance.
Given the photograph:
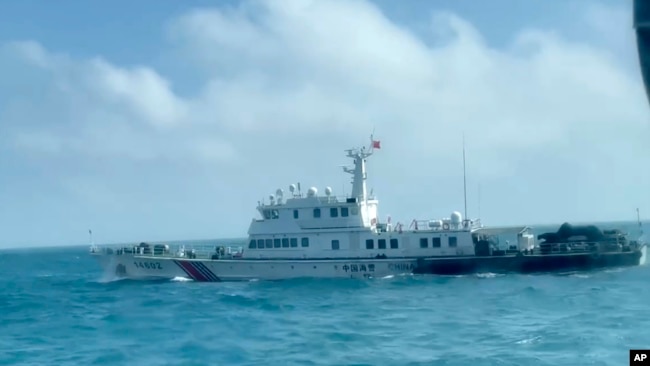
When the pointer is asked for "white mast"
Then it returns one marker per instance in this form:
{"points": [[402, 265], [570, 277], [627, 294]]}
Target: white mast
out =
{"points": [[359, 155], [93, 248], [479, 200]]}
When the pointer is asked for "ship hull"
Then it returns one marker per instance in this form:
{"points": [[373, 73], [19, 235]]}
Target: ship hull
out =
{"points": [[206, 270], [146, 267], [537, 263]]}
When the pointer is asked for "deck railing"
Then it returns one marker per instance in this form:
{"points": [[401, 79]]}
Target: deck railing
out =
{"points": [[427, 225], [218, 251], [201, 251], [586, 247]]}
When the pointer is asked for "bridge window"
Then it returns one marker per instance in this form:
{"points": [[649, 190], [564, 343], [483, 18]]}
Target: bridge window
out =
{"points": [[276, 243], [344, 212], [316, 213], [253, 244], [275, 214], [394, 244], [260, 243], [267, 214], [354, 211], [424, 242], [381, 244], [285, 242], [295, 214], [304, 242], [453, 241], [335, 245], [435, 242], [370, 244], [334, 212], [269, 243], [294, 242]]}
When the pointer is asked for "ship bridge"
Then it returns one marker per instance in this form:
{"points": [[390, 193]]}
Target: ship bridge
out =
{"points": [[311, 211]]}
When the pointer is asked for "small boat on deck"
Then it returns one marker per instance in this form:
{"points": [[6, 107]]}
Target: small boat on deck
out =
{"points": [[571, 248]]}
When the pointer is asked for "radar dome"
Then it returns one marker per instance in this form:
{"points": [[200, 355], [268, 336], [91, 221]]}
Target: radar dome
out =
{"points": [[328, 191], [456, 217], [312, 192], [279, 193], [292, 188]]}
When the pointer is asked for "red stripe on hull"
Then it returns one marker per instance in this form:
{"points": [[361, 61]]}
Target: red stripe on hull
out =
{"points": [[188, 267]]}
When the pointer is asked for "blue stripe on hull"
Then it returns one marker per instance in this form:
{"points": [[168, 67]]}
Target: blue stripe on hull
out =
{"points": [[206, 271]]}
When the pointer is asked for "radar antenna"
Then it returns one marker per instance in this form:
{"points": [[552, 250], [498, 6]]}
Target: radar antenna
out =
{"points": [[358, 172], [479, 200]]}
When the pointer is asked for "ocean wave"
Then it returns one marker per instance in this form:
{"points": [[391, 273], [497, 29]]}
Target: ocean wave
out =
{"points": [[54, 315]]}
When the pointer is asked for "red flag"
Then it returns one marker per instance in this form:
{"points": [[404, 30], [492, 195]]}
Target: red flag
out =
{"points": [[376, 144]]}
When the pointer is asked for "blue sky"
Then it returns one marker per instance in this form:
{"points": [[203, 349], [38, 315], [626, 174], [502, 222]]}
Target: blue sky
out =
{"points": [[169, 120]]}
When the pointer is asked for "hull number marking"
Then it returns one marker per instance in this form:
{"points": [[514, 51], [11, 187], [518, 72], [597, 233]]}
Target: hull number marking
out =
{"points": [[148, 265]]}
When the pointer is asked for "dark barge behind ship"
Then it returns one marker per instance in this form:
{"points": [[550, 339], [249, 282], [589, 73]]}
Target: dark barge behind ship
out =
{"points": [[571, 248]]}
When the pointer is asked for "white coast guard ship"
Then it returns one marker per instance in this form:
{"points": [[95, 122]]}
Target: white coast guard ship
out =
{"points": [[310, 235]]}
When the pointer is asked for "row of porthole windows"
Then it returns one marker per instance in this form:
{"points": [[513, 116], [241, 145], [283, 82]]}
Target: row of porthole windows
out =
{"points": [[437, 242], [334, 212], [304, 242], [381, 244], [370, 244], [278, 243]]}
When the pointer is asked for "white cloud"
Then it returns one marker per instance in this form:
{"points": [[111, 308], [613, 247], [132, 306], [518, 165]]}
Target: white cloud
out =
{"points": [[289, 83], [612, 24], [137, 90], [33, 52], [94, 107], [142, 91], [372, 72]]}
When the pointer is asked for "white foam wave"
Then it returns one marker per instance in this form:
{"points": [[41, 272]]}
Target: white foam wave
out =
{"points": [[108, 279], [642, 261], [181, 279], [614, 270], [529, 340]]}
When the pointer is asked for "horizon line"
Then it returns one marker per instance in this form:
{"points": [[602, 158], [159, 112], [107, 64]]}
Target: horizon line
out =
{"points": [[170, 241]]}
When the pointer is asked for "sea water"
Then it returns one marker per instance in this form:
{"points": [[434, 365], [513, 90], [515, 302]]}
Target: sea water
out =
{"points": [[58, 308]]}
